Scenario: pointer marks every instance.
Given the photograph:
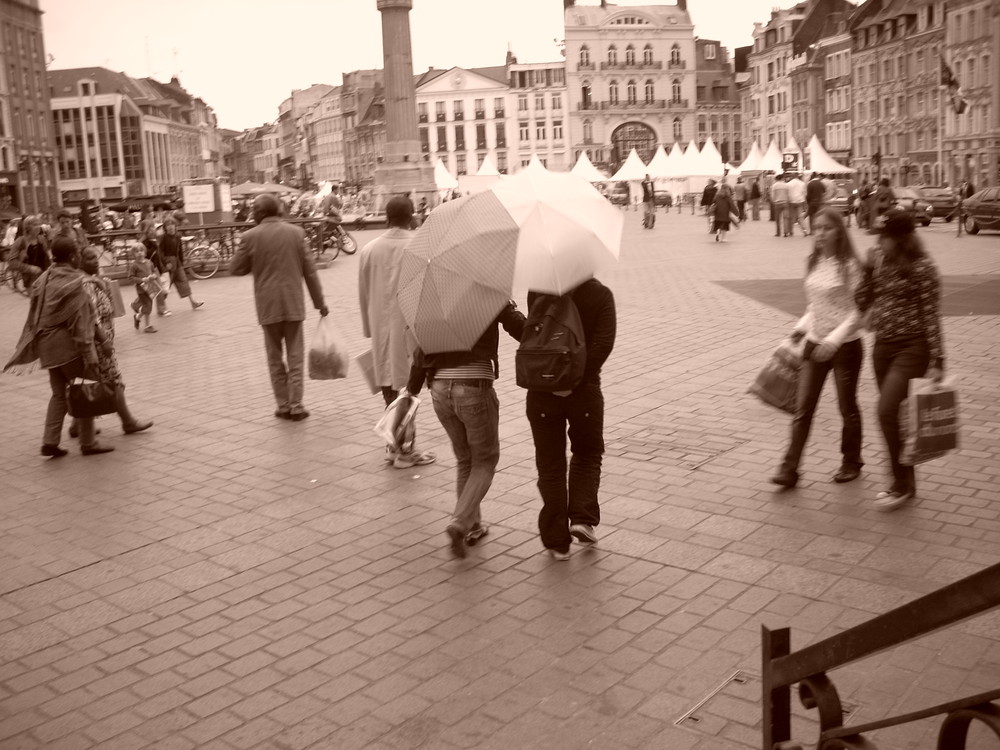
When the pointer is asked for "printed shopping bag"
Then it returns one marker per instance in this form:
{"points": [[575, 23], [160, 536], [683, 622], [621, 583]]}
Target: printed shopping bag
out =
{"points": [[328, 357], [366, 363], [115, 291], [398, 426], [778, 382], [928, 421]]}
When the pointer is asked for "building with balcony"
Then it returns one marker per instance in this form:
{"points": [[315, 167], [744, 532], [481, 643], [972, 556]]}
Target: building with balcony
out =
{"points": [[769, 90], [630, 79], [539, 103], [717, 102], [972, 48], [295, 157], [117, 136], [29, 181], [463, 115], [896, 51]]}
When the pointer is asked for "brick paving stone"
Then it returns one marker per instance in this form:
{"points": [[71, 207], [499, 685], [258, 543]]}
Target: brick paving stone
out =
{"points": [[229, 581]]}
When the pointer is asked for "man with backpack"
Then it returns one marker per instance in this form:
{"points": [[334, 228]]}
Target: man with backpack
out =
{"points": [[565, 342]]}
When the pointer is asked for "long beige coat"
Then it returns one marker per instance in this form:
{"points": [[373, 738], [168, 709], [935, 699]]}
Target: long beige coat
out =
{"points": [[381, 319]]}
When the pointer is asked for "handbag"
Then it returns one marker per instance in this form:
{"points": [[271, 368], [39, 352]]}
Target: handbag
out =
{"points": [[777, 384], [928, 421], [90, 398]]}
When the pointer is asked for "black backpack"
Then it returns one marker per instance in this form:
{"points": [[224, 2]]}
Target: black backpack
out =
{"points": [[552, 355]]}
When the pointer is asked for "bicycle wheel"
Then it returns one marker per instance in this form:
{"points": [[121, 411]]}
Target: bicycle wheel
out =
{"points": [[347, 243], [203, 261]]}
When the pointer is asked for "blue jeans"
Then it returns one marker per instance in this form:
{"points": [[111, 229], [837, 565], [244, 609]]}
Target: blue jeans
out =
{"points": [[846, 366], [469, 411], [573, 501], [895, 363]]}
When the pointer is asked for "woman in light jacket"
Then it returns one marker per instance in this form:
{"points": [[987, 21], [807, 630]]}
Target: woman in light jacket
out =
{"points": [[831, 328]]}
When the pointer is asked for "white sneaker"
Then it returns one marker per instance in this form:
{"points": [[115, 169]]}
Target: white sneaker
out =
{"points": [[583, 533], [557, 555], [409, 460], [890, 500]]}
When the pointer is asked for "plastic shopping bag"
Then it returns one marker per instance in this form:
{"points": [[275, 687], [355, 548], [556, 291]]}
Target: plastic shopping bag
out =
{"points": [[778, 382], [328, 357], [398, 426], [928, 421]]}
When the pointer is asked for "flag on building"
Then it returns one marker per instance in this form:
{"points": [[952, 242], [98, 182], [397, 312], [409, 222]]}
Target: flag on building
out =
{"points": [[950, 83]]}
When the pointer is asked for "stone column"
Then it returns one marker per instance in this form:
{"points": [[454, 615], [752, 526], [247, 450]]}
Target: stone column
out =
{"points": [[404, 169]]}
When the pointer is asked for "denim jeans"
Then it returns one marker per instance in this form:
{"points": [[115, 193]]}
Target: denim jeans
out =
{"points": [[59, 379], [286, 380], [469, 411], [895, 363], [846, 366], [573, 501]]}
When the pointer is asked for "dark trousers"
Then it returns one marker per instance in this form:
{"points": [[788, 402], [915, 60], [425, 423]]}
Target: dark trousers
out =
{"points": [[571, 499], [846, 366], [896, 362], [286, 379]]}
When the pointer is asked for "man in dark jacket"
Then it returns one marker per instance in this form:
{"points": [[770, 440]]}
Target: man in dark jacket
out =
{"points": [[569, 506], [466, 404], [815, 197], [275, 252]]}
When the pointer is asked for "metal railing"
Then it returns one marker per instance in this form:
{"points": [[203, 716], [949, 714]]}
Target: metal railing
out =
{"points": [[782, 668]]}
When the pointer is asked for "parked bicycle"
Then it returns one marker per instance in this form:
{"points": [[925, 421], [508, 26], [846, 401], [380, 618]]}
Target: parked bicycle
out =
{"points": [[203, 260]]}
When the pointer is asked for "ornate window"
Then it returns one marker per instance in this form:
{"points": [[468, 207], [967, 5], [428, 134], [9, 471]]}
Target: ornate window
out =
{"points": [[675, 90], [678, 132], [612, 55], [584, 55], [647, 54], [630, 55], [630, 92], [675, 55], [613, 92], [588, 131], [650, 91]]}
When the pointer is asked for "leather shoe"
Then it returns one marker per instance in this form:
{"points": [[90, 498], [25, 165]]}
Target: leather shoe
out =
{"points": [[137, 426], [74, 431], [846, 474], [786, 478], [95, 449], [53, 451], [298, 416], [283, 414]]}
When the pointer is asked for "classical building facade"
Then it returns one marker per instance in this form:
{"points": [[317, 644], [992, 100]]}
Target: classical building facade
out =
{"points": [[896, 58], [117, 136], [630, 80], [29, 180], [295, 157], [538, 100], [717, 102], [972, 49]]}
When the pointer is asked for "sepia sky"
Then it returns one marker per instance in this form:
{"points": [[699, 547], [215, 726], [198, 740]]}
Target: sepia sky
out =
{"points": [[243, 57]]}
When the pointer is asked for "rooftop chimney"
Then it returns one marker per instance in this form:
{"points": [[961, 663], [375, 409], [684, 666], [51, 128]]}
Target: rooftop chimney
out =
{"points": [[568, 4], [682, 4]]}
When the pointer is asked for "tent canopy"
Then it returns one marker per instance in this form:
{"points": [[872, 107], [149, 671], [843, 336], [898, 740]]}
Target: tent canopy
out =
{"points": [[632, 169], [585, 168], [771, 160], [443, 178], [488, 167], [821, 161]]}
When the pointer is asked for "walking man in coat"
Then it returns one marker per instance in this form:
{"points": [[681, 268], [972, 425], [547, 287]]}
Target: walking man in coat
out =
{"points": [[275, 252], [382, 320]]}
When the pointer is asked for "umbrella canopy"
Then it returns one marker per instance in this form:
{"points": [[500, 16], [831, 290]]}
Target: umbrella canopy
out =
{"points": [[632, 169], [585, 168], [537, 230], [247, 188], [278, 189]]}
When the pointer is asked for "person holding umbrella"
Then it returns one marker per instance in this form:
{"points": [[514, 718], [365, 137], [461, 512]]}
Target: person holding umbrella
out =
{"points": [[466, 404]]}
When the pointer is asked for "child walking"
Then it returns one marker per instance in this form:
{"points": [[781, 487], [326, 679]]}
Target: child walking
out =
{"points": [[146, 280]]}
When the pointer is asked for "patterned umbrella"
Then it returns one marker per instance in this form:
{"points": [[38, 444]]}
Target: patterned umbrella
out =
{"points": [[540, 230]]}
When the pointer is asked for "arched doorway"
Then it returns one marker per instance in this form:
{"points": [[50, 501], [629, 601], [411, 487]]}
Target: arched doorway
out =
{"points": [[631, 135]]}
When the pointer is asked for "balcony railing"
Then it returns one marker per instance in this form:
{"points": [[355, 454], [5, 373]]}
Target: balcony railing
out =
{"points": [[679, 65], [585, 66], [441, 117], [782, 668], [498, 114], [655, 65], [421, 118], [633, 106]]}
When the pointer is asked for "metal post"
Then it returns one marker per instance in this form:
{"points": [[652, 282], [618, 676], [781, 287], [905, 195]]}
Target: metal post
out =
{"points": [[775, 700]]}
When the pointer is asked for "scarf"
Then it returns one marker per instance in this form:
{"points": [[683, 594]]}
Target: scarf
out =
{"points": [[56, 297]]}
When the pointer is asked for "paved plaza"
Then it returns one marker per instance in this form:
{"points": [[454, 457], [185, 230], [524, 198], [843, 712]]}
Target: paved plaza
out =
{"points": [[231, 580]]}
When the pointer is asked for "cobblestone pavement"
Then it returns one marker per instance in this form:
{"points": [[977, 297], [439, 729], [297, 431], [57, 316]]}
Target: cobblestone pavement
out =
{"points": [[230, 580]]}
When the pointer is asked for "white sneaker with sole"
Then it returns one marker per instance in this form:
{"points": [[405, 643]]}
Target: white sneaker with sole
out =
{"points": [[409, 460], [583, 533]]}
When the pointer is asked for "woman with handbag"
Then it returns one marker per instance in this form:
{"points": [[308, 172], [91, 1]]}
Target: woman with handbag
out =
{"points": [[902, 289], [107, 363], [831, 328], [60, 334]]}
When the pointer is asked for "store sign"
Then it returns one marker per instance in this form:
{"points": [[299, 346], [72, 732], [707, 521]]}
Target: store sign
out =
{"points": [[790, 162], [198, 199]]}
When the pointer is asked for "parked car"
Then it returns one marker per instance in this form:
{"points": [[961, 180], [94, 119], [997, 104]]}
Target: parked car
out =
{"points": [[942, 201], [910, 200], [619, 195], [663, 198], [982, 210]]}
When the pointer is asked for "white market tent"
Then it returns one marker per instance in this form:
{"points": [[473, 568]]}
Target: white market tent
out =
{"points": [[821, 161], [488, 167], [443, 178], [711, 159], [659, 165], [752, 162], [535, 165], [585, 168], [632, 170], [771, 160]]}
